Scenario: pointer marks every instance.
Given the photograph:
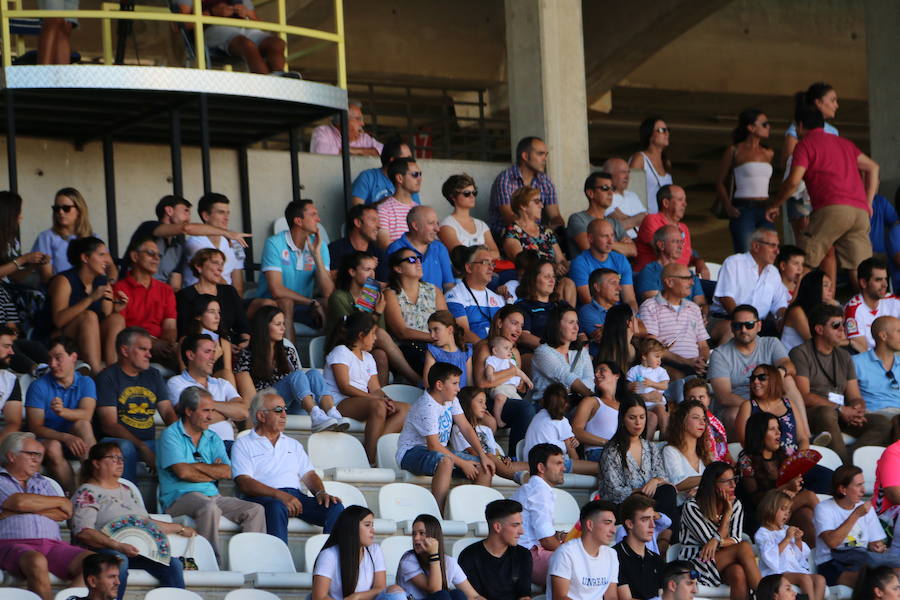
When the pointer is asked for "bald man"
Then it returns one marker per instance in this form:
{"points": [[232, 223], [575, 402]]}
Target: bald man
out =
{"points": [[601, 255], [878, 369], [422, 239], [627, 207]]}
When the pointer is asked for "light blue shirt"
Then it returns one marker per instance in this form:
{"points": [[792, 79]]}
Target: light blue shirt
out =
{"points": [[877, 388], [175, 446], [436, 267], [44, 389], [590, 316], [55, 246], [586, 263], [297, 267], [372, 185], [792, 130], [478, 306], [650, 279]]}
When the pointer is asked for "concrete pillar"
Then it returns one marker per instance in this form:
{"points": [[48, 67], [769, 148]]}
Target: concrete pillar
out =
{"points": [[882, 48], [545, 58]]}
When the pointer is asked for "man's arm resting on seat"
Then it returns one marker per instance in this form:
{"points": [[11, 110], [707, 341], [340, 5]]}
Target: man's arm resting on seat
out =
{"points": [[722, 388]]}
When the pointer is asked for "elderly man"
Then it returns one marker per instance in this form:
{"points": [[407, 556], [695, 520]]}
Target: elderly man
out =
{"points": [[598, 187], [627, 207], [191, 460], [672, 204], [677, 323], [326, 139], [669, 245], [422, 239], [872, 301], [601, 255], [269, 466], [606, 292], [878, 370], [472, 304], [30, 508]]}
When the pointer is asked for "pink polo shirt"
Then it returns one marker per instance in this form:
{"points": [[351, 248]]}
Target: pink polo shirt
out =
{"points": [[326, 139], [644, 241], [887, 474], [832, 176]]}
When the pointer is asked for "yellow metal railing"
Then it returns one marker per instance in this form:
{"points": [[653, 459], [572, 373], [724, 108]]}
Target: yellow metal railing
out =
{"points": [[110, 12]]}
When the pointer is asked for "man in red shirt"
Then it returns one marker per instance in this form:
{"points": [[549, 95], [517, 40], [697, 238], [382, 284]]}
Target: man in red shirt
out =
{"points": [[672, 203], [151, 303], [841, 197]]}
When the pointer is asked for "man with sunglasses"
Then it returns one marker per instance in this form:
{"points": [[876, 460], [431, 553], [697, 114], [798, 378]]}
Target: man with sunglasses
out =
{"points": [[872, 301], [826, 377], [422, 239], [406, 176], [599, 189], [878, 369], [679, 581]]}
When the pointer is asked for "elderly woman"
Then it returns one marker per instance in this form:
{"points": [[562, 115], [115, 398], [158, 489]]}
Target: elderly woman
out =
{"points": [[207, 264], [101, 500], [460, 227]]}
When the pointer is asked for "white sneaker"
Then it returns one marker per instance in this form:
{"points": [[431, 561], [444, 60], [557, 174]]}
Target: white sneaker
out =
{"points": [[321, 421], [343, 424]]}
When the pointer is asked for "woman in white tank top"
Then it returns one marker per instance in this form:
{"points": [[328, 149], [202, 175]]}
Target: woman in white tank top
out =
{"points": [[653, 158], [460, 227], [597, 417], [749, 163]]}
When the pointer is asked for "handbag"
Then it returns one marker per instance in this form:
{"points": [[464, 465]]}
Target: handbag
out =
{"points": [[188, 561]]}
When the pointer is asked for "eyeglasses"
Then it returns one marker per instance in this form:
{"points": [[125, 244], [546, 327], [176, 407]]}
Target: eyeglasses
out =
{"points": [[277, 409], [412, 259], [661, 130], [836, 325], [484, 262], [737, 325], [66, 208], [151, 253], [116, 458], [32, 454], [415, 174], [894, 384], [469, 193], [759, 377], [605, 188]]}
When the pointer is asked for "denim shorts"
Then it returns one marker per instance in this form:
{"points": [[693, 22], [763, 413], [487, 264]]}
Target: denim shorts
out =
{"points": [[419, 460], [568, 463], [593, 454]]}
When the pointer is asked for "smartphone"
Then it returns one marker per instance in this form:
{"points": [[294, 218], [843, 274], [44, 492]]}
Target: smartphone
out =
{"points": [[369, 296]]}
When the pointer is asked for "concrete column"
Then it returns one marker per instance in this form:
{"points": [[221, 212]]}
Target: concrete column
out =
{"points": [[545, 58], [882, 48]]}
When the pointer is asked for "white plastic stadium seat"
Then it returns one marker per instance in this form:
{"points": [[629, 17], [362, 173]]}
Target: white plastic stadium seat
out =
{"points": [[466, 503], [280, 224], [866, 458], [830, 459], [520, 448], [343, 458], [461, 544], [713, 270], [317, 352], [393, 548], [734, 448], [565, 510], [10, 593], [400, 392], [350, 495], [208, 574], [67, 593], [250, 594], [402, 502], [311, 550], [166, 593], [265, 561]]}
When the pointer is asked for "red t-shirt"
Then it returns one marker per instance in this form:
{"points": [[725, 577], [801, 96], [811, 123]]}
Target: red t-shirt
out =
{"points": [[147, 307], [832, 175], [887, 474], [644, 241]]}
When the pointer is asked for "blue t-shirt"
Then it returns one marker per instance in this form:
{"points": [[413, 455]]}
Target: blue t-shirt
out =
{"points": [[372, 185], [44, 389], [884, 216], [297, 267], [586, 263], [874, 384], [55, 246], [436, 267], [175, 446], [536, 315], [650, 278], [893, 247], [590, 316], [479, 310], [792, 130]]}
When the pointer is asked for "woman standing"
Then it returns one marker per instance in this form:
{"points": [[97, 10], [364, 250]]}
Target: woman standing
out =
{"points": [[687, 452], [460, 227], [653, 158], [537, 297], [426, 571], [597, 417], [70, 221]]}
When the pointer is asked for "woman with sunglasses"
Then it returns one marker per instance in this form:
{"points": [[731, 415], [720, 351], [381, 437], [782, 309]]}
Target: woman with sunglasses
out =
{"points": [[749, 162], [712, 524], [769, 394], [70, 221], [653, 158], [460, 227]]}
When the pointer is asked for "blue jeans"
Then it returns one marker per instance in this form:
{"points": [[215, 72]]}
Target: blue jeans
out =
{"points": [[169, 576], [313, 512], [753, 216], [298, 385], [446, 595], [131, 456], [517, 414]]}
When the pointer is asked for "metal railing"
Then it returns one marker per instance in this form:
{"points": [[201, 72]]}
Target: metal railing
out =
{"points": [[110, 12]]}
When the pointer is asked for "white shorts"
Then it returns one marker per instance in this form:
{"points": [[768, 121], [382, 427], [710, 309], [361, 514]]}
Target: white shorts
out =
{"points": [[218, 37]]}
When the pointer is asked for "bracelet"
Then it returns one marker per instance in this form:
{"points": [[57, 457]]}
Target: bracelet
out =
{"points": [[434, 558], [18, 266], [320, 492]]}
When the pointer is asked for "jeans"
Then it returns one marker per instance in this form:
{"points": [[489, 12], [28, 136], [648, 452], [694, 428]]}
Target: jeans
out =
{"points": [[298, 385], [446, 595], [517, 414], [169, 576], [313, 512], [131, 456], [753, 216]]}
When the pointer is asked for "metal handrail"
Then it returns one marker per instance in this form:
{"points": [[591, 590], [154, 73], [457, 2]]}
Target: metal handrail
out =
{"points": [[197, 19]]}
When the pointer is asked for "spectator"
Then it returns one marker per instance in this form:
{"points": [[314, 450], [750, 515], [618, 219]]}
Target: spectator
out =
{"points": [[547, 469], [214, 210], [173, 223], [881, 221], [627, 207], [198, 353], [883, 579], [296, 262], [102, 500], [70, 221], [687, 451], [30, 544], [730, 365], [830, 166], [551, 426], [653, 159], [555, 361], [421, 238], [606, 291], [130, 393], [710, 534], [471, 302], [679, 581], [601, 255], [649, 380], [886, 495], [790, 266], [101, 577], [677, 323], [749, 162], [698, 389], [827, 380], [151, 303], [326, 139], [448, 346], [668, 244], [374, 185], [190, 460], [422, 447], [15, 268], [460, 227], [498, 567], [423, 576], [815, 288], [54, 40], [878, 369], [619, 329], [473, 401], [84, 305], [599, 189], [589, 553], [672, 204], [640, 568], [268, 468], [206, 317], [529, 171], [537, 297], [596, 417], [406, 177], [10, 390], [871, 302], [352, 540], [362, 234], [769, 394], [59, 407]]}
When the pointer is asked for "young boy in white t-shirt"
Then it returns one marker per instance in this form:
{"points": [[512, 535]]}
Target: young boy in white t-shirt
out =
{"points": [[583, 568], [422, 447]]}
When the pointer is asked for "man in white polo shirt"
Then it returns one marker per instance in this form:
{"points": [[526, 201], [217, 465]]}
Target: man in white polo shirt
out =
{"points": [[198, 352], [871, 302], [269, 466], [584, 568], [627, 207]]}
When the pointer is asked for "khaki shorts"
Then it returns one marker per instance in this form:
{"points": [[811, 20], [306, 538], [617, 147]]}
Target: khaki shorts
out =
{"points": [[844, 227], [505, 389]]}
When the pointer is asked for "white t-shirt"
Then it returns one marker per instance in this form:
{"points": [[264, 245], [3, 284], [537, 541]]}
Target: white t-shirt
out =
{"points": [[195, 243], [543, 429], [8, 383], [588, 576], [740, 279], [328, 564], [409, 568], [642, 373], [361, 371], [630, 204], [501, 364], [829, 516], [466, 238], [489, 444], [427, 417], [280, 466], [221, 391], [538, 503], [678, 469]]}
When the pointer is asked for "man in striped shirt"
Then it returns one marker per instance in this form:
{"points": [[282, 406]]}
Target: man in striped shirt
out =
{"points": [[406, 176]]}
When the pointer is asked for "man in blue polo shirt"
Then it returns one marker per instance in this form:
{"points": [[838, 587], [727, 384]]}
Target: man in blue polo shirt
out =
{"points": [[473, 305], [294, 263], [190, 459], [601, 255], [878, 370], [59, 407], [668, 244], [606, 291], [422, 239]]}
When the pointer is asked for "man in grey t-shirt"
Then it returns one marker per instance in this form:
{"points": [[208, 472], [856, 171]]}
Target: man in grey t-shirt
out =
{"points": [[731, 364], [598, 188]]}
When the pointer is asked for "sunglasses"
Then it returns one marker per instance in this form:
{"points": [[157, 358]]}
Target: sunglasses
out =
{"points": [[415, 174], [763, 124], [693, 574], [661, 130], [738, 325], [151, 253], [605, 188], [469, 193], [836, 325], [116, 458], [412, 259], [759, 377], [893, 379], [197, 456], [66, 208], [277, 409]]}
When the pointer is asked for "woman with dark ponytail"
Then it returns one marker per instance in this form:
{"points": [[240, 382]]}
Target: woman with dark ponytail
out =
{"points": [[653, 158], [426, 570]]}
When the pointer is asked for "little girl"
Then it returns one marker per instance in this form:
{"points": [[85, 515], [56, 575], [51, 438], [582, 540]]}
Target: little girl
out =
{"points": [[551, 426], [781, 547], [501, 359], [448, 346], [474, 405], [649, 380], [206, 317]]}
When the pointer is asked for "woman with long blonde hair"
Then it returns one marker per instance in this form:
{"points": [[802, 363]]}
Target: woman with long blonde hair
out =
{"points": [[71, 220]]}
